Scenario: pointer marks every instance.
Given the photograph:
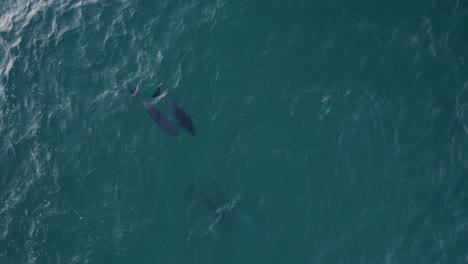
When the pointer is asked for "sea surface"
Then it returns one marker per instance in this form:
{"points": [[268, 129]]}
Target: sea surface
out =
{"points": [[327, 131]]}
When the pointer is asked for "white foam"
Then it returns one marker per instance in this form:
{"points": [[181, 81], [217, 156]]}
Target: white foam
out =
{"points": [[160, 56], [6, 226], [177, 76], [9, 65], [6, 22], [2, 96], [14, 21]]}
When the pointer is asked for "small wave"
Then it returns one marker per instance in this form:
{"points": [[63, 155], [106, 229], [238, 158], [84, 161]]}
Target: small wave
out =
{"points": [[17, 17], [7, 62], [6, 22], [159, 56], [461, 107]]}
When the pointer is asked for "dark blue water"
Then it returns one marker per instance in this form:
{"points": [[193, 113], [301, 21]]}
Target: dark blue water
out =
{"points": [[326, 132]]}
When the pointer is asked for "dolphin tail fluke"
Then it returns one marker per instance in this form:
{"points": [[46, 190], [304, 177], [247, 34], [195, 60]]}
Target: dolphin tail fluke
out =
{"points": [[158, 91], [134, 90]]}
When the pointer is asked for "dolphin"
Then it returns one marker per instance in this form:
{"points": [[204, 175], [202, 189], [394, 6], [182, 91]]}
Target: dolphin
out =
{"points": [[182, 118], [157, 116], [220, 210]]}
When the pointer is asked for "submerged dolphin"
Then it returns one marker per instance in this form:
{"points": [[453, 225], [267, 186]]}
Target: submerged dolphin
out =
{"points": [[220, 210], [182, 118], [157, 116]]}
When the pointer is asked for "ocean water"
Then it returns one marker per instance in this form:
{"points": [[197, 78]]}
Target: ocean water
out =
{"points": [[327, 131]]}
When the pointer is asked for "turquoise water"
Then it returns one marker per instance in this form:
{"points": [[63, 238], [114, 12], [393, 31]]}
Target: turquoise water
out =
{"points": [[326, 132]]}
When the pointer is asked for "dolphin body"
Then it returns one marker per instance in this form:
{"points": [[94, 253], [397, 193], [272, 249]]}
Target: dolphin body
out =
{"points": [[220, 210], [182, 118], [158, 117]]}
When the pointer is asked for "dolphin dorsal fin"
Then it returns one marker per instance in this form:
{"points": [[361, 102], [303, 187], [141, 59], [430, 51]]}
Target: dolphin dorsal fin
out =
{"points": [[158, 91]]}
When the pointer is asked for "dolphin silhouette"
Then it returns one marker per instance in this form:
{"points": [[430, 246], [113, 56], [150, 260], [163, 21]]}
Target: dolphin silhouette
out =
{"points": [[182, 118], [220, 210], [158, 117]]}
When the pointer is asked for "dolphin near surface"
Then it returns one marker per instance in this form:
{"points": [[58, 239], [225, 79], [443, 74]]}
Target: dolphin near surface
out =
{"points": [[158, 117], [182, 118], [221, 210]]}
